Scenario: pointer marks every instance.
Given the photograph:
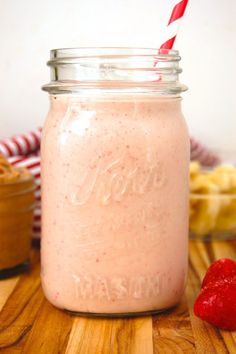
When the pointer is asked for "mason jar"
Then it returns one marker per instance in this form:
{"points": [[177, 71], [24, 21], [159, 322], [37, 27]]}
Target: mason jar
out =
{"points": [[115, 170]]}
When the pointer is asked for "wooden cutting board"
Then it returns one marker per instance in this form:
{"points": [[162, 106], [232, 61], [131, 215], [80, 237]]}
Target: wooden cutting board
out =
{"points": [[29, 324]]}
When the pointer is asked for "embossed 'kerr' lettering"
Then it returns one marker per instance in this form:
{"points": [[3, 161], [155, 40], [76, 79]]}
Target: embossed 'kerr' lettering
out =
{"points": [[116, 180]]}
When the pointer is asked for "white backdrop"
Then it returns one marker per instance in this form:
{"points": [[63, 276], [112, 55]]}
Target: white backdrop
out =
{"points": [[30, 28]]}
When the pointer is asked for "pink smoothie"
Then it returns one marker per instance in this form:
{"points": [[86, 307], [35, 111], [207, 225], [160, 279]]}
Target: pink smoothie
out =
{"points": [[115, 203]]}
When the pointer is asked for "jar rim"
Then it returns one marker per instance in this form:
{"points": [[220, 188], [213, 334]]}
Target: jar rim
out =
{"points": [[91, 52], [115, 69]]}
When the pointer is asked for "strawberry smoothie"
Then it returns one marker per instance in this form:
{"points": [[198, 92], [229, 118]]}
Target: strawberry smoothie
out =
{"points": [[115, 203]]}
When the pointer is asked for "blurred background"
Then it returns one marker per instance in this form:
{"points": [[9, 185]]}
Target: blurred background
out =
{"points": [[30, 28]]}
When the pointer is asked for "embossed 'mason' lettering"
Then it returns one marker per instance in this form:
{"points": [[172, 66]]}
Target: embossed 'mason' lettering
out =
{"points": [[117, 288], [117, 179]]}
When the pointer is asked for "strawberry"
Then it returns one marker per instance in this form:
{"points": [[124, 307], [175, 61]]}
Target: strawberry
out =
{"points": [[216, 302], [220, 270]]}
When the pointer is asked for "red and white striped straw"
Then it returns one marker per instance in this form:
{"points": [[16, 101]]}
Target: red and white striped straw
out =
{"points": [[174, 24]]}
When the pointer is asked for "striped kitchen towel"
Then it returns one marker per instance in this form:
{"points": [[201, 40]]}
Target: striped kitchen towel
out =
{"points": [[24, 151]]}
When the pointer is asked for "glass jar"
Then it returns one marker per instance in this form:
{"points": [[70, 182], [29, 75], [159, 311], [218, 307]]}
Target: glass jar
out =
{"points": [[17, 204], [115, 170], [213, 202]]}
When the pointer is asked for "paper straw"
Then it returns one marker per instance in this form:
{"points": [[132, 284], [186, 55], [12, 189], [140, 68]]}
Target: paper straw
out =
{"points": [[174, 24]]}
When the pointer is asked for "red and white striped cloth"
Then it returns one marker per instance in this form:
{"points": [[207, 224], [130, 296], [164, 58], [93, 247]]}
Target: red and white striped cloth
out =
{"points": [[24, 151], [202, 154], [22, 144]]}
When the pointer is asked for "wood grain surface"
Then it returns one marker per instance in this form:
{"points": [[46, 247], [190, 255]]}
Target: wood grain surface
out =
{"points": [[29, 324]]}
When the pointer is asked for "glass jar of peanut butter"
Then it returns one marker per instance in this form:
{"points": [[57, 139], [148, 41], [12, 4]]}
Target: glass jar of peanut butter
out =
{"points": [[16, 218]]}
